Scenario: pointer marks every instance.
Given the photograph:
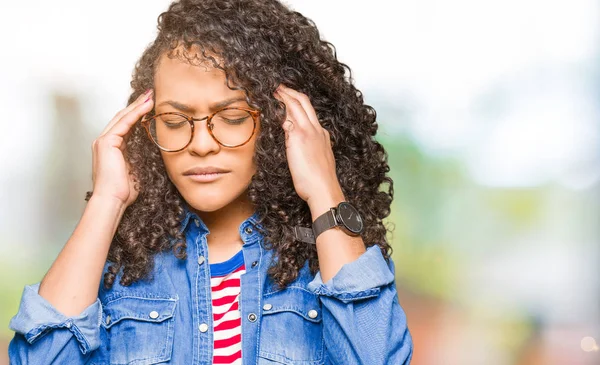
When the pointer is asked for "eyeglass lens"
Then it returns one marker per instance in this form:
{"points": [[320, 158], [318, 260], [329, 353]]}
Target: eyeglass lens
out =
{"points": [[231, 127]]}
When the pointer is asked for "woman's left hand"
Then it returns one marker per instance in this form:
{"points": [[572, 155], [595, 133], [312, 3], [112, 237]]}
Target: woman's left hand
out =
{"points": [[309, 151]]}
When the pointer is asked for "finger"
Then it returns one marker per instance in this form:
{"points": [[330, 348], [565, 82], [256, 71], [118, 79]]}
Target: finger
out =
{"points": [[140, 100], [305, 102], [94, 161], [288, 124], [123, 126], [328, 137], [295, 112]]}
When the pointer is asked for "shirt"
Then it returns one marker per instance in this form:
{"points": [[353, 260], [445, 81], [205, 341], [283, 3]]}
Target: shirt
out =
{"points": [[225, 291], [353, 318]]}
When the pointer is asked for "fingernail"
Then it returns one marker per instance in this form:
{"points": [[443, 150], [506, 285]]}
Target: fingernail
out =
{"points": [[147, 91]]}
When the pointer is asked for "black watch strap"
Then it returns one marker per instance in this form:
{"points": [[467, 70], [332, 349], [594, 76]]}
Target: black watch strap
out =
{"points": [[304, 234], [324, 222]]}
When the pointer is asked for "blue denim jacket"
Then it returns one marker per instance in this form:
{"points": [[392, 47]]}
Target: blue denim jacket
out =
{"points": [[354, 318]]}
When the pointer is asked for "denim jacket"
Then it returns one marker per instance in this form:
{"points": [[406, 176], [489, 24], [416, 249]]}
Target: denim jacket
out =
{"points": [[354, 318]]}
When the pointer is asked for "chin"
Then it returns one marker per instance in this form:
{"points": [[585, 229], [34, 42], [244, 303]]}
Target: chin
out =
{"points": [[209, 198], [204, 206], [205, 200]]}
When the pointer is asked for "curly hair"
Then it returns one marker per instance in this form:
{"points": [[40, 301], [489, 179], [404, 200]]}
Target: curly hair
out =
{"points": [[258, 44]]}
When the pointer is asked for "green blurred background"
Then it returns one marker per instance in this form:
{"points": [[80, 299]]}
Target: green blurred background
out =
{"points": [[489, 112]]}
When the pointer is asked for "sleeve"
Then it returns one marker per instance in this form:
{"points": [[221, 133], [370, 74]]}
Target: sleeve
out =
{"points": [[43, 335], [362, 317]]}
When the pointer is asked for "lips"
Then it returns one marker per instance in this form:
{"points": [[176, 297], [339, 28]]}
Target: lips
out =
{"points": [[205, 170], [206, 178]]}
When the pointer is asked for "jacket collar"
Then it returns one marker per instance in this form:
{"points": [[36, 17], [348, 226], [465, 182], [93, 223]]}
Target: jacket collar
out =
{"points": [[189, 216]]}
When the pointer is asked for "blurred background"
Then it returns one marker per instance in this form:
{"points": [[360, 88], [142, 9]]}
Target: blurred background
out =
{"points": [[490, 114]]}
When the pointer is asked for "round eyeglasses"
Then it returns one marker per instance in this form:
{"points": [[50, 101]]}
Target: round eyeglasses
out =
{"points": [[173, 131]]}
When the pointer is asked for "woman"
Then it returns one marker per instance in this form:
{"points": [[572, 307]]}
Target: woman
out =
{"points": [[236, 212]]}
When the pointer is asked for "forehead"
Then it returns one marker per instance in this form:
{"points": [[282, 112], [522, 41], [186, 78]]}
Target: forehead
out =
{"points": [[199, 83]]}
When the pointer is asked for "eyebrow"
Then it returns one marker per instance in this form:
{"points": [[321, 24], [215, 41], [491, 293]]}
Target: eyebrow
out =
{"points": [[188, 109]]}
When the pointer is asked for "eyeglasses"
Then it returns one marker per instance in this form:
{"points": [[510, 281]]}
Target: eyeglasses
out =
{"points": [[172, 131]]}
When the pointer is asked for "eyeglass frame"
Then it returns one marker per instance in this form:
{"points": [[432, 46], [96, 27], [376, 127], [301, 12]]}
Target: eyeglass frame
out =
{"points": [[253, 113]]}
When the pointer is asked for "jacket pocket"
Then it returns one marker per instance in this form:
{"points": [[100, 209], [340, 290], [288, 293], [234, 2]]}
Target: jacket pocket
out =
{"points": [[139, 329], [291, 328]]}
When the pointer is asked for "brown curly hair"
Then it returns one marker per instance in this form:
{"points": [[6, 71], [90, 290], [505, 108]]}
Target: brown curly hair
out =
{"points": [[259, 44]]}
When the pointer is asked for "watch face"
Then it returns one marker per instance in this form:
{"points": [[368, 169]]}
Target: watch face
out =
{"points": [[350, 217]]}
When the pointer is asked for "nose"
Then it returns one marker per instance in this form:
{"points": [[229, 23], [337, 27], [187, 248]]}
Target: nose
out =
{"points": [[202, 141]]}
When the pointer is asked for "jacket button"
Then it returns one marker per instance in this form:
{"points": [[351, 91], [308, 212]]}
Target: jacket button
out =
{"points": [[154, 314], [254, 263], [203, 327], [200, 260], [108, 319], [252, 317], [248, 229], [267, 306], [313, 313]]}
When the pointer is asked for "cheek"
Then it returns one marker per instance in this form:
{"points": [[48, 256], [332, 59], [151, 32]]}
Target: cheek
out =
{"points": [[247, 167], [169, 163]]}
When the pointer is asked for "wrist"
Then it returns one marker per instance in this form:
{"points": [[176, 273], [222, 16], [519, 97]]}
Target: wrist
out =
{"points": [[109, 203], [322, 203]]}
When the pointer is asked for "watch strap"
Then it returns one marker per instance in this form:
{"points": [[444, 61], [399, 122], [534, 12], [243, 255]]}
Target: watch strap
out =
{"points": [[324, 222], [304, 234]]}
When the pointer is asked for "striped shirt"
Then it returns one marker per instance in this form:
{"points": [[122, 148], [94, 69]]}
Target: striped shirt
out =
{"points": [[225, 291]]}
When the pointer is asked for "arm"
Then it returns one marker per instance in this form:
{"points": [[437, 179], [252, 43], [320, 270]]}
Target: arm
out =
{"points": [[60, 316], [363, 322], [43, 335]]}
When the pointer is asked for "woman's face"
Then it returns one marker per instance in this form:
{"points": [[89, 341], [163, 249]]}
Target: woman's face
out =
{"points": [[196, 91]]}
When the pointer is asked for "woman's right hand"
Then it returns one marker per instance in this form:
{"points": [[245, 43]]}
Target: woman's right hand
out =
{"points": [[110, 171]]}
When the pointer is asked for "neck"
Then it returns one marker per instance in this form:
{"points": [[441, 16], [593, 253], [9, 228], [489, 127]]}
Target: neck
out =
{"points": [[224, 238]]}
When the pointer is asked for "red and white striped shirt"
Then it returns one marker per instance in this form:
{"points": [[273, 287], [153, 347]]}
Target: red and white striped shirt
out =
{"points": [[225, 291]]}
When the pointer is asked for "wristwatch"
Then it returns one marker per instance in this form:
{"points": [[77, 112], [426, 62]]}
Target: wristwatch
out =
{"points": [[344, 215]]}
